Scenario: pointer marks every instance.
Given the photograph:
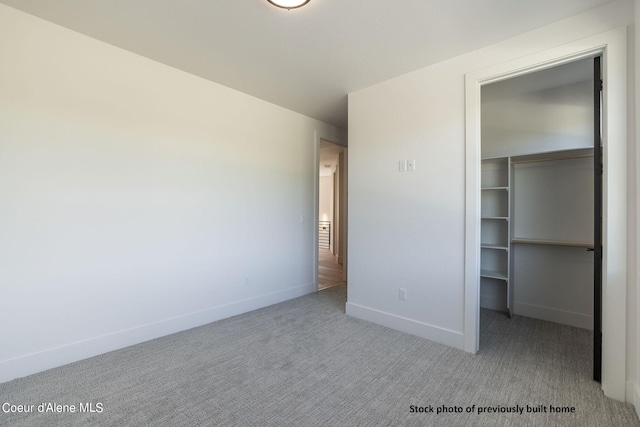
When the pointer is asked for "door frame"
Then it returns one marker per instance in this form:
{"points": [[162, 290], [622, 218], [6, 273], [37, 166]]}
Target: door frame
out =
{"points": [[597, 218], [316, 207], [612, 46]]}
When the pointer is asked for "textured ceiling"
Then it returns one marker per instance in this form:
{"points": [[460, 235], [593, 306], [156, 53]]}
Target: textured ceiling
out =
{"points": [[307, 59]]}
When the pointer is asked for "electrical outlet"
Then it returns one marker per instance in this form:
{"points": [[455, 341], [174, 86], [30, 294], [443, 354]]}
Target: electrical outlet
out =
{"points": [[403, 294]]}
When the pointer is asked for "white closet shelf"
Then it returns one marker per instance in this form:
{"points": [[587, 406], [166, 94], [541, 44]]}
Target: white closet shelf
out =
{"points": [[553, 156], [493, 274], [553, 242], [495, 189], [494, 246], [502, 218]]}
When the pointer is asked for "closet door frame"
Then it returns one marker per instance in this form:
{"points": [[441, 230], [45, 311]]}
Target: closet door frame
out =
{"points": [[612, 46]]}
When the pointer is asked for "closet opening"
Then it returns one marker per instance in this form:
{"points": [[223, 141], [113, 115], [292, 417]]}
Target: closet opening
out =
{"points": [[541, 205]]}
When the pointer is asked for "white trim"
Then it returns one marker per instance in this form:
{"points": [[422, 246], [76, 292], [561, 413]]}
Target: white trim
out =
{"points": [[613, 46], [54, 357], [409, 326], [633, 396], [316, 209], [570, 318]]}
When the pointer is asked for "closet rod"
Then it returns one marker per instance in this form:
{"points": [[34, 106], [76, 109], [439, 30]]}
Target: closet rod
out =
{"points": [[553, 242], [551, 159]]}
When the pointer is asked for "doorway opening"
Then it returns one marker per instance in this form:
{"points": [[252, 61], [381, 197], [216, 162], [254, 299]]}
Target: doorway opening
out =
{"points": [[540, 244], [332, 224]]}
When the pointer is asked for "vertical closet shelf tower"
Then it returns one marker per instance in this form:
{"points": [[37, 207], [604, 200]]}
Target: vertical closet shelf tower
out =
{"points": [[495, 259]]}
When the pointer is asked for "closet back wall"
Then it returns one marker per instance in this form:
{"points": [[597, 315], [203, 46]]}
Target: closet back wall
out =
{"points": [[554, 203], [559, 118]]}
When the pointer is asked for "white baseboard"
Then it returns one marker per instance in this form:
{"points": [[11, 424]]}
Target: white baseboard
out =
{"points": [[53, 357], [633, 396], [413, 327], [554, 315]]}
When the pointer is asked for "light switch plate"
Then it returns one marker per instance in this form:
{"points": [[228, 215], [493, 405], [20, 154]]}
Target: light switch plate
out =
{"points": [[402, 165], [411, 165]]}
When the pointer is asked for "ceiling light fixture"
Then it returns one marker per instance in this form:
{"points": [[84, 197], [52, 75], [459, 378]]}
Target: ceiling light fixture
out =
{"points": [[289, 4]]}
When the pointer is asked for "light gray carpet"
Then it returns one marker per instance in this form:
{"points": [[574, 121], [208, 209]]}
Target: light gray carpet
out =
{"points": [[305, 363]]}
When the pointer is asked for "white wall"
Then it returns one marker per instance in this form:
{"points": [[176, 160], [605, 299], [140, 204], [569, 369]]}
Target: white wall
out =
{"points": [[548, 120], [325, 202], [421, 115], [138, 200], [326, 198], [554, 283]]}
